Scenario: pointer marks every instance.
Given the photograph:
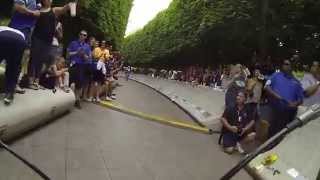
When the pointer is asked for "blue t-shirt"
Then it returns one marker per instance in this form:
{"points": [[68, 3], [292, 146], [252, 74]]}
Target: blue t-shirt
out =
{"points": [[76, 46], [22, 21], [286, 86]]}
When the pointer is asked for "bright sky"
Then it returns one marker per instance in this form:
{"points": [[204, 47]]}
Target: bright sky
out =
{"points": [[143, 11]]}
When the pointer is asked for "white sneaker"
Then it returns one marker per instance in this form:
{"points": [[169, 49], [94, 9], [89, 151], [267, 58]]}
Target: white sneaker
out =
{"points": [[98, 100], [108, 98], [113, 97], [239, 148]]}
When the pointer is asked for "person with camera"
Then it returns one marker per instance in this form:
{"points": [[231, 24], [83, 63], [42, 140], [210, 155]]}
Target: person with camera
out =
{"points": [[238, 122]]}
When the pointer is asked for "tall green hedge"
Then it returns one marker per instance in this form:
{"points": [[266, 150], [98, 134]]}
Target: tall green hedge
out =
{"points": [[224, 31], [184, 25]]}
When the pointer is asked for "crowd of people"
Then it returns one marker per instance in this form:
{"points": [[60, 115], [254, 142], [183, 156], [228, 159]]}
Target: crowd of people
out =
{"points": [[260, 93], [260, 99], [33, 53]]}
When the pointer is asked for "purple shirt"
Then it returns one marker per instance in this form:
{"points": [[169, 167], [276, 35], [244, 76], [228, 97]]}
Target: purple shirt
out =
{"points": [[22, 21], [76, 46], [286, 86]]}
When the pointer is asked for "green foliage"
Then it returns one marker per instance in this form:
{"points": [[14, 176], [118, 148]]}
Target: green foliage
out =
{"points": [[185, 25], [105, 19], [223, 31]]}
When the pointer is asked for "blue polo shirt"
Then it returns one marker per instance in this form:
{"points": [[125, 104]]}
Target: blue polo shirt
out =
{"points": [[76, 46], [22, 21], [286, 86]]}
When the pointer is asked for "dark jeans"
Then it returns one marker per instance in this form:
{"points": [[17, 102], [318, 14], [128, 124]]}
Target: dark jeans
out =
{"points": [[280, 118], [40, 55], [12, 46]]}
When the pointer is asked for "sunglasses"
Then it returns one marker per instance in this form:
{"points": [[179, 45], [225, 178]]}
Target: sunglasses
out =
{"points": [[82, 34], [286, 64]]}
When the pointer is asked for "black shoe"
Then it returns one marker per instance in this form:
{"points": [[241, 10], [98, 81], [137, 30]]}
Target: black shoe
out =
{"points": [[77, 104], [8, 99]]}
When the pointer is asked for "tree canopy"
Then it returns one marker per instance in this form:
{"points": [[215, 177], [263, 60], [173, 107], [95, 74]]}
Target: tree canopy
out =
{"points": [[223, 31], [105, 19]]}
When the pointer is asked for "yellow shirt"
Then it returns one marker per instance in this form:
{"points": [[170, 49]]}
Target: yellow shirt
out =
{"points": [[101, 54]]}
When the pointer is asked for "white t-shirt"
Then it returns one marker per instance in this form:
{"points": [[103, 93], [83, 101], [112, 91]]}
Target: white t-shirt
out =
{"points": [[5, 28], [307, 81]]}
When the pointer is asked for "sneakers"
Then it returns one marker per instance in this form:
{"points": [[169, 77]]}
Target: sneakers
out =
{"points": [[108, 98], [113, 97], [19, 90], [239, 148], [8, 99], [77, 104], [98, 100]]}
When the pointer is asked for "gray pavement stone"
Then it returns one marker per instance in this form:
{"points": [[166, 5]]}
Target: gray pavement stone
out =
{"points": [[205, 104], [98, 143]]}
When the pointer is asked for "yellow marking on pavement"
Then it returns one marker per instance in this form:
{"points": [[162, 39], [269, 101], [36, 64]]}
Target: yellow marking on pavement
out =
{"points": [[167, 121]]}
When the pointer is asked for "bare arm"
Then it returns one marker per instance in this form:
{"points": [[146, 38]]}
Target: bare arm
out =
{"points": [[248, 126], [24, 10], [226, 124], [58, 11], [311, 90], [273, 94]]}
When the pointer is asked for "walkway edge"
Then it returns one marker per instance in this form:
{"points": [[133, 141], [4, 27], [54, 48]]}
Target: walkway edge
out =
{"points": [[177, 104], [173, 123]]}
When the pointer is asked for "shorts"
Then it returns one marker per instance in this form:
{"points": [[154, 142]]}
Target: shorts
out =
{"points": [[230, 139], [78, 75], [99, 77]]}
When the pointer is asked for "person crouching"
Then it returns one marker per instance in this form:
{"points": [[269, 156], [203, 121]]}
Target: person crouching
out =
{"points": [[238, 123]]}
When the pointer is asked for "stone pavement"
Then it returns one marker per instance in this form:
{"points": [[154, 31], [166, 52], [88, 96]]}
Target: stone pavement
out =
{"points": [[101, 144], [203, 103]]}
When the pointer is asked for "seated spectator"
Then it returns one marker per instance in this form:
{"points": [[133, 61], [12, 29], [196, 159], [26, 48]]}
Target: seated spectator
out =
{"points": [[12, 46], [238, 122], [56, 76], [311, 85]]}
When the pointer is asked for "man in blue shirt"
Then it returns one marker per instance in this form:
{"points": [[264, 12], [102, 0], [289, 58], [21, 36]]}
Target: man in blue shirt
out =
{"points": [[24, 17], [285, 94], [80, 53]]}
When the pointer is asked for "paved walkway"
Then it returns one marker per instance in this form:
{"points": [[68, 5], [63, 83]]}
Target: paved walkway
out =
{"points": [[101, 144], [205, 104]]}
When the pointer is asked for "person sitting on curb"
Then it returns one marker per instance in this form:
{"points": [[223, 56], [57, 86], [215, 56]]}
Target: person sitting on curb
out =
{"points": [[237, 123]]}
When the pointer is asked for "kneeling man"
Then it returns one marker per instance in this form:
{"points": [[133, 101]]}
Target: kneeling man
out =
{"points": [[238, 123]]}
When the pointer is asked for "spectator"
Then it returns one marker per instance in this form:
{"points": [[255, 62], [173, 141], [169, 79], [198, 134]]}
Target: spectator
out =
{"points": [[24, 19], [237, 124], [237, 84], [57, 76], [12, 46], [56, 49], [285, 94], [42, 37], [311, 85], [79, 52]]}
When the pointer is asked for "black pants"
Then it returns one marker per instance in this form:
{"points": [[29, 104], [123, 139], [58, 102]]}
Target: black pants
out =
{"points": [[12, 46], [280, 118], [40, 55]]}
